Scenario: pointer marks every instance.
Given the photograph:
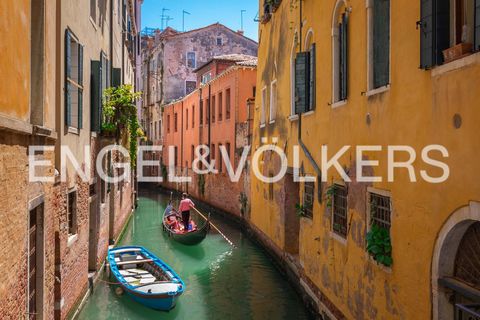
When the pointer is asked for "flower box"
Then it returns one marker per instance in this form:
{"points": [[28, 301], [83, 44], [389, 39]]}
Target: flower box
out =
{"points": [[457, 51]]}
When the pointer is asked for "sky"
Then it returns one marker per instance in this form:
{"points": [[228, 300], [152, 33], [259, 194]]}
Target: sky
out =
{"points": [[202, 13]]}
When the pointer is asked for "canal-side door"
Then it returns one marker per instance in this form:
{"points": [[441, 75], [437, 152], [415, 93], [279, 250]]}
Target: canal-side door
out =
{"points": [[35, 263]]}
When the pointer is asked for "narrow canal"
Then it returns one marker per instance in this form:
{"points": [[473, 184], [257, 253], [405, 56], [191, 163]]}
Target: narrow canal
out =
{"points": [[222, 282]]}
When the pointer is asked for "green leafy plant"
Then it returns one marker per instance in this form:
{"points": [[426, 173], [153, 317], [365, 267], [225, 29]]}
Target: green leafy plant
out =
{"points": [[164, 172], [329, 195], [201, 184], [120, 113], [300, 208], [243, 199], [379, 245]]}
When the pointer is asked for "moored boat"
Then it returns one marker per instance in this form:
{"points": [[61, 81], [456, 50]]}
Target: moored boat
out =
{"points": [[144, 277], [192, 237]]}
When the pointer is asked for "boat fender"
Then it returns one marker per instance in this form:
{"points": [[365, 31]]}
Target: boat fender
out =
{"points": [[119, 291], [149, 290]]}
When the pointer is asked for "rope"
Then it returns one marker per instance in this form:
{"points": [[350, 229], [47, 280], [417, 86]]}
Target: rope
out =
{"points": [[215, 227]]}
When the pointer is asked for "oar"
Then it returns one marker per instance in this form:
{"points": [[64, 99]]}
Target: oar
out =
{"points": [[215, 227]]}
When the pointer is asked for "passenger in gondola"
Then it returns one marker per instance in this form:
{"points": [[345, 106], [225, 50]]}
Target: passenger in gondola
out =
{"points": [[185, 205]]}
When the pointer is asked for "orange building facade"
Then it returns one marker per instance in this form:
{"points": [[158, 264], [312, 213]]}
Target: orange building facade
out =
{"points": [[216, 114]]}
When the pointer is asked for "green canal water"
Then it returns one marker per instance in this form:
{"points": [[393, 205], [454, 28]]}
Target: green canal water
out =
{"points": [[222, 282]]}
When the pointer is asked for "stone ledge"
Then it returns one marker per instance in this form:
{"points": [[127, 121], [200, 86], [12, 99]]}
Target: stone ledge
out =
{"points": [[15, 125]]}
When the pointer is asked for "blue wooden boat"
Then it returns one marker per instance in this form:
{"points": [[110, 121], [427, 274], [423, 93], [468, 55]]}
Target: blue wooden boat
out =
{"points": [[144, 277]]}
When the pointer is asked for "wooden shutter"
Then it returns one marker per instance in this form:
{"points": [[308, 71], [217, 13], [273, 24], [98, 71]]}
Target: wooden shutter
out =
{"points": [[442, 29], [301, 82], [477, 25], [312, 77], [381, 43], [117, 77], [95, 96], [80, 90], [68, 72], [426, 34]]}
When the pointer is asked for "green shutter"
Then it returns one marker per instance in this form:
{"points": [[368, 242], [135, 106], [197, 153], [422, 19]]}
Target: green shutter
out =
{"points": [[477, 25], [68, 66], [426, 34], [301, 82], [381, 43], [312, 77], [95, 96], [117, 77], [80, 65], [109, 70], [442, 30], [80, 91]]}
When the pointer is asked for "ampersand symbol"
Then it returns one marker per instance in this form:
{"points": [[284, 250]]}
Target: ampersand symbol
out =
{"points": [[201, 154]]}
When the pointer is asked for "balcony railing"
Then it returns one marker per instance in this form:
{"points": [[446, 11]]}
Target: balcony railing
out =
{"points": [[467, 312]]}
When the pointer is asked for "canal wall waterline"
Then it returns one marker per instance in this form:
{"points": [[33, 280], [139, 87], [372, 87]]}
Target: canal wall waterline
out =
{"points": [[287, 266], [93, 280]]}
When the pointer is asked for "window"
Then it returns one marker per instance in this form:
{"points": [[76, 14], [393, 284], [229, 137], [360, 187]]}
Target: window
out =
{"points": [[219, 41], [201, 113], [212, 153], [168, 123], [254, 91], [273, 101], [220, 158], [380, 210], [72, 212], [228, 103], [155, 128], [193, 116], [227, 146], [192, 154], [93, 10], [264, 105], [206, 77], [191, 60], [73, 81], [176, 156], [220, 106], [339, 210], [444, 24], [340, 52], [175, 120], [213, 109], [186, 118], [270, 187], [308, 196], [207, 115], [305, 87], [379, 44], [190, 86]]}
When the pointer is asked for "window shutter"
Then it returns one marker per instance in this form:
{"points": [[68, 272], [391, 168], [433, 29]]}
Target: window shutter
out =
{"points": [[442, 29], [312, 77], [68, 66], [426, 34], [109, 83], [80, 91], [95, 96], [477, 25], [301, 79], [381, 43]]}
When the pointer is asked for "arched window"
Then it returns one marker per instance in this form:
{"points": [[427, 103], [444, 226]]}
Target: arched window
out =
{"points": [[340, 52]]}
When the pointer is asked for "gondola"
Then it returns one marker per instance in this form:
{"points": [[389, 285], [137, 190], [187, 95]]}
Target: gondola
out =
{"points": [[144, 277], [188, 238]]}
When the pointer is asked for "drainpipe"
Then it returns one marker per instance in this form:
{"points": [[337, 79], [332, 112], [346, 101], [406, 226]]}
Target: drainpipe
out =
{"points": [[300, 142], [209, 120], [181, 141]]}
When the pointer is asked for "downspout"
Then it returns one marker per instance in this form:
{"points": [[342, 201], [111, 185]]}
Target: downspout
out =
{"points": [[300, 142], [209, 121], [181, 140]]}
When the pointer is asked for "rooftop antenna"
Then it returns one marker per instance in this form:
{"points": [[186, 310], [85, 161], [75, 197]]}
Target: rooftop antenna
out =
{"points": [[241, 18], [166, 20], [183, 19], [163, 17]]}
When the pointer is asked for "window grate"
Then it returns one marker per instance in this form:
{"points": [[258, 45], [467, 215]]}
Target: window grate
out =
{"points": [[380, 210], [340, 210], [308, 196]]}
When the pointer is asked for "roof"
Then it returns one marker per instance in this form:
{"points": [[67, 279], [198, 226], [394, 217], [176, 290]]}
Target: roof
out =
{"points": [[239, 59]]}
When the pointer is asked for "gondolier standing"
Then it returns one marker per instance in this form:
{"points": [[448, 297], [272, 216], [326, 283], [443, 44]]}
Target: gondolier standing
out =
{"points": [[185, 205]]}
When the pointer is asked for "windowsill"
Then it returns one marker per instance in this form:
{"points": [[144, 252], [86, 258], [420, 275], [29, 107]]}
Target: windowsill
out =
{"points": [[379, 265], [338, 238], [271, 122], [307, 220], [377, 91], [262, 125], [308, 113], [94, 24], [73, 130], [72, 238], [339, 103], [293, 117], [471, 59]]}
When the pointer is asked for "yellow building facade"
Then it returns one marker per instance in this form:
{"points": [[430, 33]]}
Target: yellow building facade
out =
{"points": [[383, 74]]}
